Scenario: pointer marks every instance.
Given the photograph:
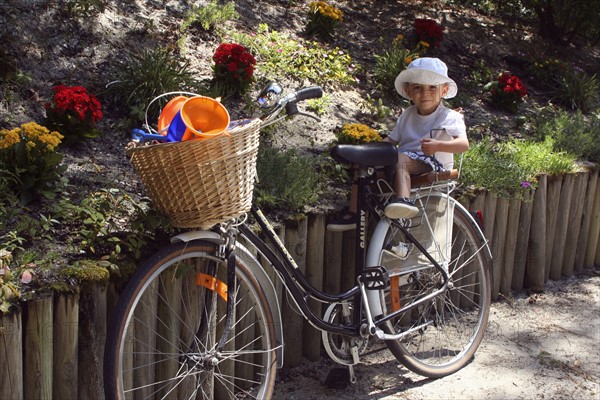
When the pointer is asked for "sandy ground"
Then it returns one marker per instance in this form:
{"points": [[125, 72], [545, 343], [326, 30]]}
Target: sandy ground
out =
{"points": [[538, 346]]}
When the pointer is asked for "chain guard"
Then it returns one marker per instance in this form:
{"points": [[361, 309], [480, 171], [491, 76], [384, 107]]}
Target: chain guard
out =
{"points": [[338, 346]]}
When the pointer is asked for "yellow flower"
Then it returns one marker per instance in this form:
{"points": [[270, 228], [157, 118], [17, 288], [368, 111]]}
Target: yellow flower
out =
{"points": [[358, 133], [51, 140], [407, 60], [9, 138], [33, 130], [399, 38], [33, 134], [325, 10], [424, 44]]}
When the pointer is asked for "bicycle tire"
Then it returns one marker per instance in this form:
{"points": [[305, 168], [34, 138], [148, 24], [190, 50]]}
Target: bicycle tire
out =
{"points": [[453, 324], [169, 320]]}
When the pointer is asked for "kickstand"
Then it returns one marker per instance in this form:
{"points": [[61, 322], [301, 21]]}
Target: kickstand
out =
{"points": [[354, 352], [352, 377]]}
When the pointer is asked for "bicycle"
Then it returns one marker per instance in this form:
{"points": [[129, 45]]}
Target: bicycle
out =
{"points": [[201, 318]]}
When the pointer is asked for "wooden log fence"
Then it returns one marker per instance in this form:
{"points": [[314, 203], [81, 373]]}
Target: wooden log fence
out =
{"points": [[52, 347]]}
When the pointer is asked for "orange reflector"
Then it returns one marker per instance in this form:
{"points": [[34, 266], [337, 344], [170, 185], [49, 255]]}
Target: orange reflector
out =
{"points": [[212, 283], [395, 292]]}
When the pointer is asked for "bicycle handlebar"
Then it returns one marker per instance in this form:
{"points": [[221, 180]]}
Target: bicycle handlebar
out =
{"points": [[289, 102], [312, 92]]}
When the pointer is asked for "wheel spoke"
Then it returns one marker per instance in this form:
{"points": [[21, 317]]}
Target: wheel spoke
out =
{"points": [[168, 347], [454, 321]]}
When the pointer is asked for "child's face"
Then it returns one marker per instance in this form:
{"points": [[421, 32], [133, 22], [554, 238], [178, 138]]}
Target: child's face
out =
{"points": [[426, 97]]}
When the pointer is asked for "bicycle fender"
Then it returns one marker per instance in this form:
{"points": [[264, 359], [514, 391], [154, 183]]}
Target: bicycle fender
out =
{"points": [[257, 271], [267, 285], [209, 236]]}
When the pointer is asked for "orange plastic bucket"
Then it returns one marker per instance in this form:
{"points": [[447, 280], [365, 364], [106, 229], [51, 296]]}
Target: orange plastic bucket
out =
{"points": [[204, 117], [169, 111]]}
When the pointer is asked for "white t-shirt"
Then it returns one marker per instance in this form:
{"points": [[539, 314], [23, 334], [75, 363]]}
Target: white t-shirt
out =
{"points": [[412, 127]]}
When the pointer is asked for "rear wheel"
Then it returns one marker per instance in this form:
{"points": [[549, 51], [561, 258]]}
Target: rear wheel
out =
{"points": [[445, 331], [163, 340]]}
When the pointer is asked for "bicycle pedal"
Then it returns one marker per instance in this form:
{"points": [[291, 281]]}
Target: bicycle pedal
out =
{"points": [[375, 278]]}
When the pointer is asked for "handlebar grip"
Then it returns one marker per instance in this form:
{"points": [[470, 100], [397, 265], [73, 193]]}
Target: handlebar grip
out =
{"points": [[309, 93]]}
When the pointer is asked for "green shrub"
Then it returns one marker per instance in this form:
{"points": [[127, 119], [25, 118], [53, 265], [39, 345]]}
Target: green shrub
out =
{"points": [[286, 180], [510, 169], [577, 90], [146, 74], [572, 132], [376, 108], [110, 223], [319, 105], [278, 55], [546, 71], [85, 8], [394, 60], [30, 160], [210, 16]]}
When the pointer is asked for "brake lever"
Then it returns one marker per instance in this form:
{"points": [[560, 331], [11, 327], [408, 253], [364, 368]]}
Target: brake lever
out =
{"points": [[309, 115]]}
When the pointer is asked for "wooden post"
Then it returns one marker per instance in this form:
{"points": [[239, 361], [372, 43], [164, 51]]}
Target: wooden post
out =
{"points": [[295, 242], [552, 211], [333, 262], [489, 216], [593, 245], [521, 253], [277, 284], [586, 219], [562, 223], [348, 256], [92, 333], [477, 204], [498, 240], [510, 245], [11, 356], [574, 223], [311, 338], [66, 323], [37, 365], [536, 276]]}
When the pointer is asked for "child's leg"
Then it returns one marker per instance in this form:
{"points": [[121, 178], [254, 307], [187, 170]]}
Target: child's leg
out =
{"points": [[405, 167], [403, 206]]}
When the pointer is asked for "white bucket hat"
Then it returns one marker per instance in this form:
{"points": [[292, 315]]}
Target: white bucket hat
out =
{"points": [[426, 71]]}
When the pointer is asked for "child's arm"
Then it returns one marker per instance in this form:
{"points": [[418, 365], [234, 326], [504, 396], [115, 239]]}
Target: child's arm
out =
{"points": [[458, 144]]}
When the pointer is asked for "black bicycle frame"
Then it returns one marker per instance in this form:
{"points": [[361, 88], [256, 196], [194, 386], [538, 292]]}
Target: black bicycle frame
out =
{"points": [[301, 289]]}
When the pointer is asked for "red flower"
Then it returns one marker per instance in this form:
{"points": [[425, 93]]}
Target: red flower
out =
{"points": [[234, 64], [75, 100], [429, 31]]}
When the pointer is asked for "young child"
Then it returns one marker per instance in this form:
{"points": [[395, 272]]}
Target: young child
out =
{"points": [[427, 133]]}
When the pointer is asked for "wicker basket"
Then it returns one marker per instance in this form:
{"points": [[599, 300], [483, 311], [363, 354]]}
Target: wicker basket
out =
{"points": [[199, 183]]}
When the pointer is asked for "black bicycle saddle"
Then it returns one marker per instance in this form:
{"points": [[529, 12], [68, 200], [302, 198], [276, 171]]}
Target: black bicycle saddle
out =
{"points": [[375, 154]]}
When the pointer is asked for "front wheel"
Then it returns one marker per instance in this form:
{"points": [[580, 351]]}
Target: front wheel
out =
{"points": [[164, 339], [445, 331]]}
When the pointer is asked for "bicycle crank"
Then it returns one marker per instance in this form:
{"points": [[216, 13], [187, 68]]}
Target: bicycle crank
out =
{"points": [[342, 349]]}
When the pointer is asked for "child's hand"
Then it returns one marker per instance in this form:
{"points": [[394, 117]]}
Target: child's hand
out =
{"points": [[429, 146]]}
